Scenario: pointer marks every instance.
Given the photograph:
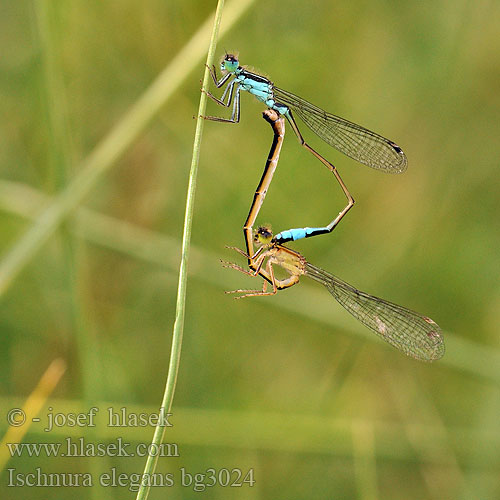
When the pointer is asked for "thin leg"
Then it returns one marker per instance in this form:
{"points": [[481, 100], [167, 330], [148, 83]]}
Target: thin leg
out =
{"points": [[276, 284], [257, 259], [251, 293], [232, 265], [220, 101], [245, 254], [213, 74], [235, 117], [256, 293]]}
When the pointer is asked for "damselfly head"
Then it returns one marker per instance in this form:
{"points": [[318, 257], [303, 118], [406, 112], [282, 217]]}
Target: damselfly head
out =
{"points": [[263, 235], [230, 63]]}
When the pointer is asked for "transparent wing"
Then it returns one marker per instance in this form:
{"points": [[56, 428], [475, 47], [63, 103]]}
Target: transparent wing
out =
{"points": [[406, 330], [353, 140]]}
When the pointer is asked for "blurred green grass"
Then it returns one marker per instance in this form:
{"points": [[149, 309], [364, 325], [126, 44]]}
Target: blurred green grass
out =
{"points": [[425, 75]]}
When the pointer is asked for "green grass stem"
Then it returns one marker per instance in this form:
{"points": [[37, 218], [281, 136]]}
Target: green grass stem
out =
{"points": [[175, 354]]}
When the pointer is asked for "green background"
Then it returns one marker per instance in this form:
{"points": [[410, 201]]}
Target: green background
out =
{"points": [[289, 386]]}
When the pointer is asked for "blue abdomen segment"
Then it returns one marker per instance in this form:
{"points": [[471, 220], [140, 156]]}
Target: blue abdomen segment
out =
{"points": [[280, 108], [299, 233], [260, 88]]}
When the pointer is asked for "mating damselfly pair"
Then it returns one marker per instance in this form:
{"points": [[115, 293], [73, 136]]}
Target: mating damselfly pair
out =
{"points": [[415, 335]]}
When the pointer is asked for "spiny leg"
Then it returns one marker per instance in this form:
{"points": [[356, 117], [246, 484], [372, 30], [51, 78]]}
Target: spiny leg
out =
{"points": [[277, 284], [257, 259], [235, 116], [220, 101], [255, 262], [232, 265], [257, 293], [213, 74]]}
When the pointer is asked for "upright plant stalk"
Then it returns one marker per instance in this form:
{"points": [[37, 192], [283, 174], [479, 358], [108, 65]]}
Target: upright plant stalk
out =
{"points": [[175, 353]]}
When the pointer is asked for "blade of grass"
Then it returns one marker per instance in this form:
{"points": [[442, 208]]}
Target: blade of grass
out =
{"points": [[112, 147], [411, 398], [31, 408], [175, 354], [60, 157], [58, 142], [486, 414], [364, 455]]}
